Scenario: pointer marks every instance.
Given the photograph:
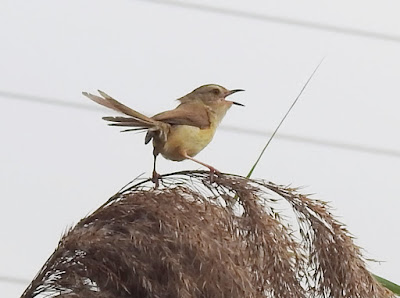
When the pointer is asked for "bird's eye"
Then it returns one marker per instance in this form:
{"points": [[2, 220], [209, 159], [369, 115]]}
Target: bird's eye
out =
{"points": [[216, 91]]}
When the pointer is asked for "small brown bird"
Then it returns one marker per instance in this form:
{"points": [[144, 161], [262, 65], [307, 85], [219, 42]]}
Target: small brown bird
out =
{"points": [[177, 134]]}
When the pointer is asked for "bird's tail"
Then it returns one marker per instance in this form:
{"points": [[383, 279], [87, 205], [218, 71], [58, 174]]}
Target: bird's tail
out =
{"points": [[135, 119]]}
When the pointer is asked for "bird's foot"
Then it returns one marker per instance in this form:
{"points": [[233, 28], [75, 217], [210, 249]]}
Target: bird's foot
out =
{"points": [[212, 172], [155, 179]]}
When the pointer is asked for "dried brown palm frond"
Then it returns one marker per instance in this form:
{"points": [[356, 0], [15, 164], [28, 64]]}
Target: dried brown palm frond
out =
{"points": [[194, 238]]}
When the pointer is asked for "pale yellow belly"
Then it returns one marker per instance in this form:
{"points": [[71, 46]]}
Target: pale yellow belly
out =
{"points": [[185, 138]]}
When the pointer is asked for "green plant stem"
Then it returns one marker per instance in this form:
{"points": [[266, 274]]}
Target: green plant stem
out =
{"points": [[283, 119]]}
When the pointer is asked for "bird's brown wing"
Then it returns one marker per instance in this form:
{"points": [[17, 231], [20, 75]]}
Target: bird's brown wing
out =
{"points": [[193, 114]]}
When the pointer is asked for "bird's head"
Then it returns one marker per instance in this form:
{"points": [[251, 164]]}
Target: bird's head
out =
{"points": [[212, 95]]}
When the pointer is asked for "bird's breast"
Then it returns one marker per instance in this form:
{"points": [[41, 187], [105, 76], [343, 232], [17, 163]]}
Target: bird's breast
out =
{"points": [[185, 138]]}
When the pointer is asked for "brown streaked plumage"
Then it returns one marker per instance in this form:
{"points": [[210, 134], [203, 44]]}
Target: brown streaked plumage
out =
{"points": [[177, 134]]}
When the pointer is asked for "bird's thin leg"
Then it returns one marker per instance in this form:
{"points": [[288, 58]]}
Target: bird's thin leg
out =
{"points": [[156, 176], [212, 169]]}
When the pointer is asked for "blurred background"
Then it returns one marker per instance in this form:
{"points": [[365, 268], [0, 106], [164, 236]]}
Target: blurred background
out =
{"points": [[59, 161]]}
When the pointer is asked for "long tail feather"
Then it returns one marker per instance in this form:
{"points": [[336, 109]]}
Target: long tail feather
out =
{"points": [[130, 124], [128, 121], [111, 103], [137, 120], [118, 119], [135, 129]]}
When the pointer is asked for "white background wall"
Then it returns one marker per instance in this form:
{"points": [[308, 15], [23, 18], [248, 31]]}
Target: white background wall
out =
{"points": [[59, 163]]}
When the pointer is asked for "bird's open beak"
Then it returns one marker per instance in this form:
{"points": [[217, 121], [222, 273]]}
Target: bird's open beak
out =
{"points": [[234, 91]]}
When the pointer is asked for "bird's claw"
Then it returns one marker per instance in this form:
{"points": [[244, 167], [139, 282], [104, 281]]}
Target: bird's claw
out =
{"points": [[155, 179], [212, 172]]}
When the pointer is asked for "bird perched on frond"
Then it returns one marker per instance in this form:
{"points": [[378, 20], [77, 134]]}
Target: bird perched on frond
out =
{"points": [[180, 133]]}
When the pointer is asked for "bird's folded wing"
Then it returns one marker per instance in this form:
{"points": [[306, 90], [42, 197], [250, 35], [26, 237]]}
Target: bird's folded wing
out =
{"points": [[186, 114]]}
